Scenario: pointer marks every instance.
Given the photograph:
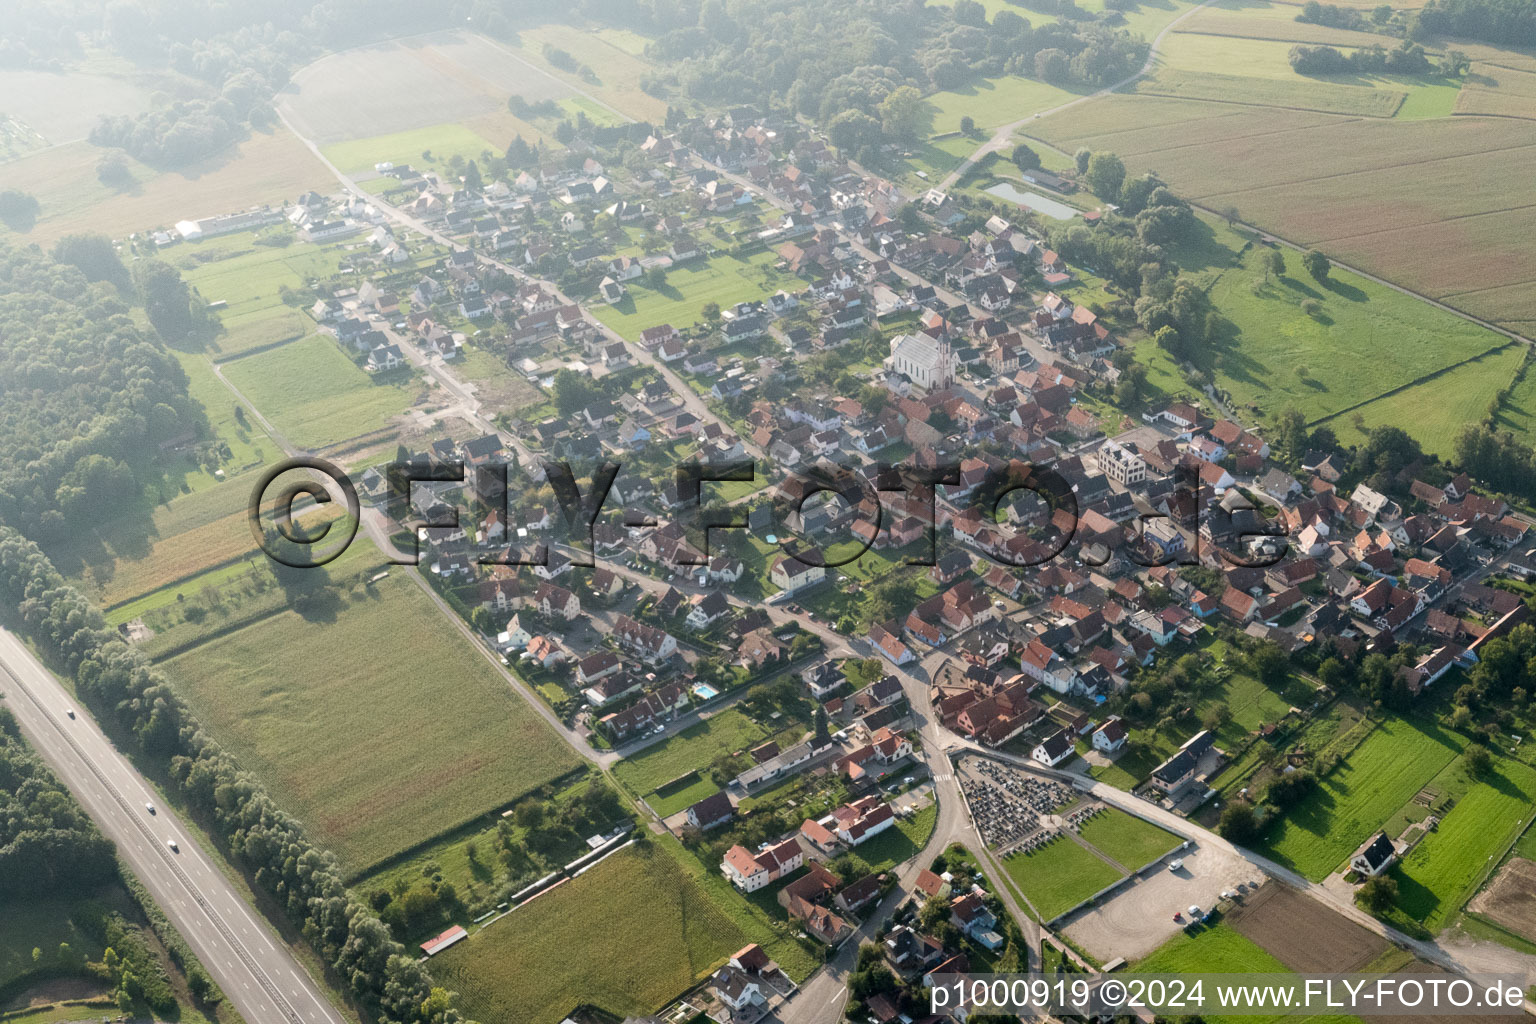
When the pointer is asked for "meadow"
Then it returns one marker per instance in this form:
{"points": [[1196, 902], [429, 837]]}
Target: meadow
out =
{"points": [[336, 715], [356, 156], [1449, 866], [38, 924], [1380, 776], [1058, 876], [316, 396], [724, 280], [248, 278], [1435, 412], [992, 102], [1127, 839], [628, 935]]}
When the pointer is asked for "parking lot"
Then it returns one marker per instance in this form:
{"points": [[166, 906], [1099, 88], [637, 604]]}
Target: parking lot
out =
{"points": [[1139, 916]]}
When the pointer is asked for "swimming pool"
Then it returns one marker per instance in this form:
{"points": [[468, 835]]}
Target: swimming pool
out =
{"points": [[704, 691]]}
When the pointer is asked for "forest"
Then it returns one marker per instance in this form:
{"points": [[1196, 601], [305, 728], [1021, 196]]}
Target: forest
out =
{"points": [[1502, 22], [48, 847], [85, 392]]}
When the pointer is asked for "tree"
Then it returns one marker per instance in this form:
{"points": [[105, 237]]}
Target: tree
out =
{"points": [[1082, 158], [19, 209], [1216, 716], [852, 130], [1291, 433], [1024, 158], [823, 736], [94, 256], [1272, 262], [1378, 894], [967, 125], [905, 116], [472, 179], [574, 392], [165, 296], [1105, 175], [711, 313], [1238, 824], [1316, 264], [1477, 761]]}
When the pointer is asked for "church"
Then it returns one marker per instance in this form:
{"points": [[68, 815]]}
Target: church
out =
{"points": [[928, 362]]}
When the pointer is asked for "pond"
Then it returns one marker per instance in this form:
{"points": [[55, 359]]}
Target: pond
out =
{"points": [[1034, 200]]}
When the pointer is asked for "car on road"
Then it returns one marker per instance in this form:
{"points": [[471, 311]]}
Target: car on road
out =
{"points": [[70, 712], [150, 808], [172, 844]]}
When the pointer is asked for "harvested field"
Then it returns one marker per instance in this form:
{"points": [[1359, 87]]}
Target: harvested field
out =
{"points": [[1386, 195], [1304, 934], [1132, 124], [618, 70], [264, 168], [1492, 89], [372, 722], [408, 84], [1272, 21], [1301, 94], [1510, 901], [64, 107]]}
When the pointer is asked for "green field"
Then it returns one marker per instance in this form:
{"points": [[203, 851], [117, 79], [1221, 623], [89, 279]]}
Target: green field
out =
{"points": [[235, 270], [1518, 412], [629, 935], [1356, 322], [443, 140], [316, 395], [1444, 870], [727, 732], [724, 280], [1435, 412], [1379, 777], [378, 726], [1058, 876], [1126, 838]]}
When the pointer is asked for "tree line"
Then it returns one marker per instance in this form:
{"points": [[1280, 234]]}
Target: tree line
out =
{"points": [[121, 685]]}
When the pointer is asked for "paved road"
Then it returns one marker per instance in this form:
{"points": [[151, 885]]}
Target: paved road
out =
{"points": [[253, 966]]}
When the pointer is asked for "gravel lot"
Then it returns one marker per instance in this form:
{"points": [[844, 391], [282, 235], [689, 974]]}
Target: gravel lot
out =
{"points": [[1139, 916]]}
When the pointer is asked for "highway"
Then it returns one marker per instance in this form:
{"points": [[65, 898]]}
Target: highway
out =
{"points": [[258, 973]]}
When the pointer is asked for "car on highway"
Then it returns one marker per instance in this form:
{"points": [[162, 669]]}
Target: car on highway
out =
{"points": [[172, 844], [150, 808], [70, 712]]}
